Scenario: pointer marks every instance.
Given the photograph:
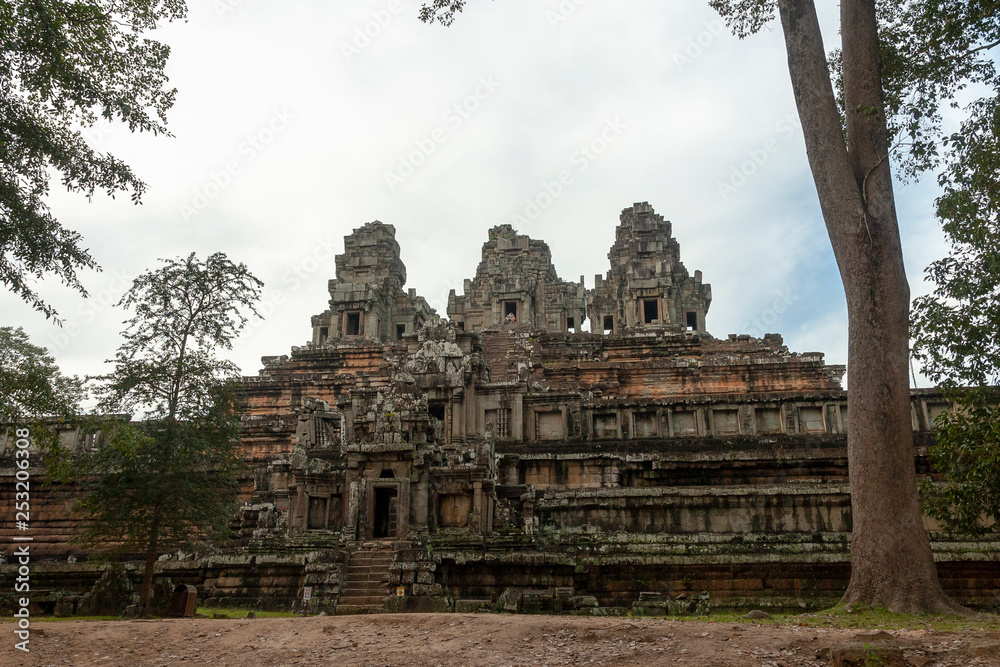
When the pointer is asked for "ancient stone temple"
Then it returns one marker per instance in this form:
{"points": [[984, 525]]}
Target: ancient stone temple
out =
{"points": [[545, 447], [551, 440]]}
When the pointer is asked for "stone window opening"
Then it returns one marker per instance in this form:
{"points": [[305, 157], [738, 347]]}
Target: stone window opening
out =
{"points": [[436, 410], [400, 330], [324, 333], [327, 430], [609, 324], [650, 311], [570, 323], [503, 423], [387, 474], [499, 421], [352, 323], [692, 321], [509, 311]]}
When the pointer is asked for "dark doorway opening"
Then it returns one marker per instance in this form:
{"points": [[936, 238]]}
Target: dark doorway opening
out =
{"points": [[436, 410], [385, 512], [649, 311], [510, 309], [570, 323], [692, 321], [609, 324], [400, 331], [353, 324]]}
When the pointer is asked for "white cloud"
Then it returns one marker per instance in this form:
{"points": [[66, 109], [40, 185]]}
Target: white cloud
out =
{"points": [[695, 115]]}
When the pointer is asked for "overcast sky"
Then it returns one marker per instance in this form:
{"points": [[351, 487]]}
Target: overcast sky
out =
{"points": [[297, 122]]}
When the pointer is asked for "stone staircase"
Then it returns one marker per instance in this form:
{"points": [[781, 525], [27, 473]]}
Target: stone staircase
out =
{"points": [[366, 580]]}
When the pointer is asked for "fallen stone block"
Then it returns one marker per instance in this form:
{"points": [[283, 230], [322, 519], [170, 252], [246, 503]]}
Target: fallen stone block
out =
{"points": [[856, 654]]}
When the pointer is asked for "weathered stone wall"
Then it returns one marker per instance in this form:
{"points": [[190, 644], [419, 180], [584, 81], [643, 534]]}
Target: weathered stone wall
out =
{"points": [[243, 582], [530, 467]]}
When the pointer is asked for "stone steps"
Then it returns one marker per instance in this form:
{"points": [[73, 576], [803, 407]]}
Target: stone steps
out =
{"points": [[366, 581]]}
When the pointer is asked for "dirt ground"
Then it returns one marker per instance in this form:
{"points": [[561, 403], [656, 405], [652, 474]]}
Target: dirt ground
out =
{"points": [[473, 639]]}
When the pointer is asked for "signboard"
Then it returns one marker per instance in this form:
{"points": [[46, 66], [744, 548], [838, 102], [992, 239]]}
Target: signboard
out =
{"points": [[400, 591], [307, 593]]}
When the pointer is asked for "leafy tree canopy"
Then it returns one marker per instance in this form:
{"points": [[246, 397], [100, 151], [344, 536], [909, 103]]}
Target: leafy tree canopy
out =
{"points": [[63, 65], [171, 480], [33, 392], [967, 454], [185, 311], [955, 331], [931, 52]]}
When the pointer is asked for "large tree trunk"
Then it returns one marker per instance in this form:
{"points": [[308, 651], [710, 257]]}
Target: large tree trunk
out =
{"points": [[891, 561], [147, 576]]}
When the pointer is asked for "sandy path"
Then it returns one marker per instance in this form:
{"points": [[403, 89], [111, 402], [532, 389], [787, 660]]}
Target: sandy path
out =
{"points": [[469, 639]]}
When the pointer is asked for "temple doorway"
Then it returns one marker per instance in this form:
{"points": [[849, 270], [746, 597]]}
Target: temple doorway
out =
{"points": [[386, 510]]}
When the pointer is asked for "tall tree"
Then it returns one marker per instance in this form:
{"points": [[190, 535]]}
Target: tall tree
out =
{"points": [[848, 150], [891, 560], [171, 480], [64, 65], [33, 392]]}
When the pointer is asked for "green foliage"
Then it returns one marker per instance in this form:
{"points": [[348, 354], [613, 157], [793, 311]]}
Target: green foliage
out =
{"points": [[64, 65], [873, 658], [33, 393], [954, 329], [967, 454], [175, 482], [184, 312], [932, 51], [442, 11], [171, 480], [745, 17]]}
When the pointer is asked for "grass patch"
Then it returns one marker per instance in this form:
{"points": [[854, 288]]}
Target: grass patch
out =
{"points": [[863, 618], [242, 613]]}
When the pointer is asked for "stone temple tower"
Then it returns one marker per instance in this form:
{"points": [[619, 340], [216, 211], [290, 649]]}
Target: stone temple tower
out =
{"points": [[516, 282], [367, 298], [647, 286]]}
